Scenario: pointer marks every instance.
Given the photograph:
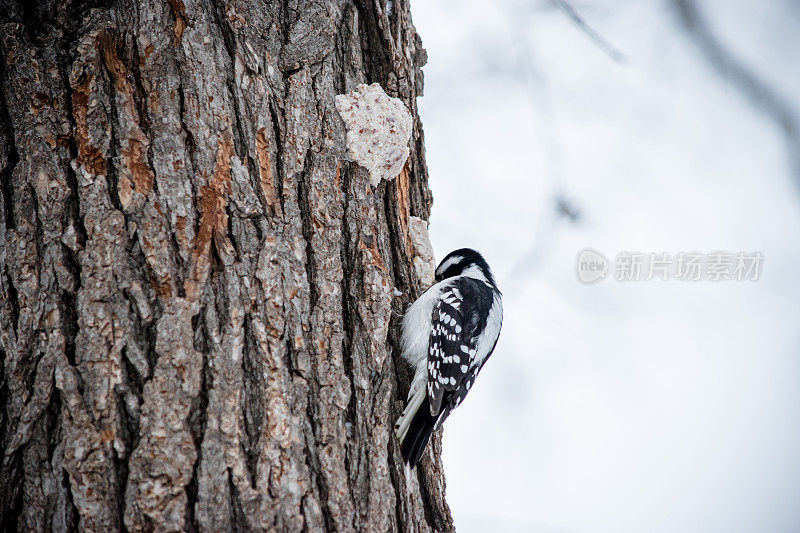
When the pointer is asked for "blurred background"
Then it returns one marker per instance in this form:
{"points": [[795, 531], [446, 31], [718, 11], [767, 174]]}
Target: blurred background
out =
{"points": [[664, 126]]}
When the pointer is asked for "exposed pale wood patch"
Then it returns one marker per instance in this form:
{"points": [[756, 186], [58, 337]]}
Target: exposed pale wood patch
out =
{"points": [[213, 199], [267, 179], [371, 251], [404, 205], [179, 8], [88, 154], [134, 145]]}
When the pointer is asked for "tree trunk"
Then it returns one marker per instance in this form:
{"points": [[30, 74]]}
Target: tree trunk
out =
{"points": [[199, 295]]}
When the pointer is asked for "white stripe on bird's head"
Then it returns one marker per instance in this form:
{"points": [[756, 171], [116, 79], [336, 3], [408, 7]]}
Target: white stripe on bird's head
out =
{"points": [[447, 263]]}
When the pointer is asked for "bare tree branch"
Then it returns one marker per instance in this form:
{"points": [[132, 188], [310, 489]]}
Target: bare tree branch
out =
{"points": [[757, 92], [609, 49]]}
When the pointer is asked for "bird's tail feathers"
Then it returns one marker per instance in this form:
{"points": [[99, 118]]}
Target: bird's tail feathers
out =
{"points": [[417, 434], [415, 426]]}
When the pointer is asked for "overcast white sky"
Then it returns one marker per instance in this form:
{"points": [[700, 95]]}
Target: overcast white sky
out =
{"points": [[619, 407]]}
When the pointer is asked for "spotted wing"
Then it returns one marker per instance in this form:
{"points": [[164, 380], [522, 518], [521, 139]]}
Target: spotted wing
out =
{"points": [[458, 319]]}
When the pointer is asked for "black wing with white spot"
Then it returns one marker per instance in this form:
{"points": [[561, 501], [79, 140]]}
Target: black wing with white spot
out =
{"points": [[459, 319]]}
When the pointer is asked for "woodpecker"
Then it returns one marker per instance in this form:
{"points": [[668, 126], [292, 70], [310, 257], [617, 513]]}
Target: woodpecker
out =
{"points": [[447, 336]]}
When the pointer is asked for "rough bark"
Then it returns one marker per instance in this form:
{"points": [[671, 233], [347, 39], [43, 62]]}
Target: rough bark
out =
{"points": [[199, 296]]}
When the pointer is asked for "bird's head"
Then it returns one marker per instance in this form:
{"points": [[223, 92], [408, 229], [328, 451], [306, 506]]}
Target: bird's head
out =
{"points": [[464, 261]]}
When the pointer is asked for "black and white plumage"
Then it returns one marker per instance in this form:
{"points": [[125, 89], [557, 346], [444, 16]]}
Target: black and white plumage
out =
{"points": [[448, 334]]}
